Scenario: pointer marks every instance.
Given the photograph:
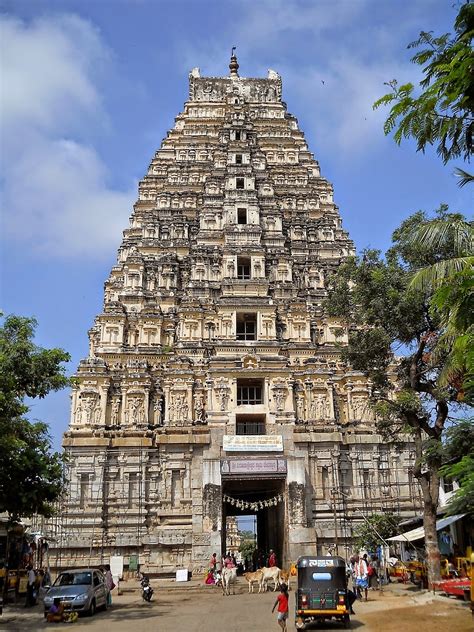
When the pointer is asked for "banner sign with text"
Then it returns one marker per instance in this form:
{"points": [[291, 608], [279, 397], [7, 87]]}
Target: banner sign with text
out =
{"points": [[253, 443], [253, 466]]}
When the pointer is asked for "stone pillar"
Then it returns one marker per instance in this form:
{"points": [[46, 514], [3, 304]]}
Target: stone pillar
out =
{"points": [[301, 537]]}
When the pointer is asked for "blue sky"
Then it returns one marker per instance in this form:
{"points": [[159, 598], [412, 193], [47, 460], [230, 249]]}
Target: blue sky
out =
{"points": [[89, 89]]}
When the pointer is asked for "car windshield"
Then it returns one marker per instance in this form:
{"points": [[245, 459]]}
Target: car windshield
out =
{"points": [[74, 579]]}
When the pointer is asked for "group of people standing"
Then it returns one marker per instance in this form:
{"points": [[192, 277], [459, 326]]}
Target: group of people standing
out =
{"points": [[229, 561]]}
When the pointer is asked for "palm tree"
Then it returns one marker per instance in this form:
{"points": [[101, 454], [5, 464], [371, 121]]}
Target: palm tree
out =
{"points": [[450, 281]]}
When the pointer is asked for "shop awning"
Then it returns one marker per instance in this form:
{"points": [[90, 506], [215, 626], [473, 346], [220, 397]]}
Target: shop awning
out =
{"points": [[419, 533]]}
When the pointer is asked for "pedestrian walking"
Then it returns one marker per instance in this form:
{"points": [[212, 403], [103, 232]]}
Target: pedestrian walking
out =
{"points": [[109, 582], [362, 577], [282, 603]]}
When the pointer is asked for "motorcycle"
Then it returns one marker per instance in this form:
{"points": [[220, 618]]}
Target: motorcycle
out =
{"points": [[147, 590]]}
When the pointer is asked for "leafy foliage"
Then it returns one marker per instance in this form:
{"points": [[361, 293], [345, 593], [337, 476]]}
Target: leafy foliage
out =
{"points": [[450, 279], [386, 316], [31, 477], [459, 465], [443, 111], [247, 545], [376, 528]]}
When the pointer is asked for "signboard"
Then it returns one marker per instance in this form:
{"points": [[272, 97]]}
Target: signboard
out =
{"points": [[182, 575], [253, 466], [116, 566], [253, 443]]}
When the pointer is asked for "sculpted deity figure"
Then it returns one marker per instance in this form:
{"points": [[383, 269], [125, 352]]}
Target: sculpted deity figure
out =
{"points": [[135, 409], [223, 397], [280, 398], [114, 413], [299, 407], [313, 409], [89, 407], [78, 413], [358, 406], [184, 410], [199, 408], [158, 410]]}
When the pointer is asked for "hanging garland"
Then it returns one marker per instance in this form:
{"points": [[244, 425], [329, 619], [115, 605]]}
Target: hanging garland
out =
{"points": [[255, 506]]}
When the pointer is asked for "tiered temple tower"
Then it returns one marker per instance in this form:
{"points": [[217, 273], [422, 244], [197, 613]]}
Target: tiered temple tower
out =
{"points": [[214, 384]]}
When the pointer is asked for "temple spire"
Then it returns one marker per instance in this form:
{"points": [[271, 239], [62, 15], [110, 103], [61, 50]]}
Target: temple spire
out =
{"points": [[234, 66]]}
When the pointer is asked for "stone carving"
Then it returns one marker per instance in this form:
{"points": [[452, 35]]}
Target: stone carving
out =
{"points": [[87, 409], [158, 410], [279, 395], [319, 407], [115, 411], [199, 411], [300, 407], [222, 394], [179, 409], [135, 413], [359, 406]]}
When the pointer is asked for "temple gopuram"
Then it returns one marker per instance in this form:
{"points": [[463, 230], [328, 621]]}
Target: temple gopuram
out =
{"points": [[214, 386]]}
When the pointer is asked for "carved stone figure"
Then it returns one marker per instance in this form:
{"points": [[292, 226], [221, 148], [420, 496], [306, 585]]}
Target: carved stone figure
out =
{"points": [[158, 410], [199, 408], [280, 398], [114, 412], [300, 401]]}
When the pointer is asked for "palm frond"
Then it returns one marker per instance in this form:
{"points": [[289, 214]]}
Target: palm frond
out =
{"points": [[464, 177], [438, 232], [433, 276]]}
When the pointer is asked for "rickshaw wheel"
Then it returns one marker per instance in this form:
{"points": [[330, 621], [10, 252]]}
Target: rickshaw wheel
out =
{"points": [[347, 621]]}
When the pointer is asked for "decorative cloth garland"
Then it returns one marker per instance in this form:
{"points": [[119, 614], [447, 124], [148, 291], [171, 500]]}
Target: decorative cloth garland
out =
{"points": [[254, 506]]}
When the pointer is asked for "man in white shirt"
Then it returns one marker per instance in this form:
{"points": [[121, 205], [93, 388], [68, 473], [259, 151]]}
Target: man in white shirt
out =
{"points": [[30, 599], [362, 576]]}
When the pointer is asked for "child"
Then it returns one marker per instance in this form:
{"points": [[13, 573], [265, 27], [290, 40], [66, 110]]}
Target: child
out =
{"points": [[282, 603], [56, 612]]}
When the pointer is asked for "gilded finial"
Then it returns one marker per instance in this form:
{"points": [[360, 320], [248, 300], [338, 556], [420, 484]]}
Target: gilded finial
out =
{"points": [[234, 66]]}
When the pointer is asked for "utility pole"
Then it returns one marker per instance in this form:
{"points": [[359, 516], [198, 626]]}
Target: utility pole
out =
{"points": [[336, 535]]}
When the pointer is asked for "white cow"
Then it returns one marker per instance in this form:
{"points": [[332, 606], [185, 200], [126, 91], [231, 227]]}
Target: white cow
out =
{"points": [[268, 574], [229, 576]]}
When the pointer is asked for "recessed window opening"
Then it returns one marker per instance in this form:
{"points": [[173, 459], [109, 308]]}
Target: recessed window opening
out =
{"points": [[241, 216], [249, 392], [240, 183], [246, 326], [238, 159], [448, 486], [243, 268], [250, 425], [237, 135]]}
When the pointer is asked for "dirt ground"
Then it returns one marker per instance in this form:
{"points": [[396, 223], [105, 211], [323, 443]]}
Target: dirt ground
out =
{"points": [[194, 607]]}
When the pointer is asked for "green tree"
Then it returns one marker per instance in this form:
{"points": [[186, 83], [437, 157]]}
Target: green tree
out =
{"points": [[450, 280], [386, 315], [31, 477], [442, 111], [374, 530], [247, 544], [458, 458]]}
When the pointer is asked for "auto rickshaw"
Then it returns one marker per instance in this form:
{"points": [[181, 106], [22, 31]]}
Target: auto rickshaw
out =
{"points": [[321, 591]]}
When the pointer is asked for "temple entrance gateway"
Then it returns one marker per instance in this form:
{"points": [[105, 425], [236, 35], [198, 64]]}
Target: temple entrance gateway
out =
{"points": [[257, 486]]}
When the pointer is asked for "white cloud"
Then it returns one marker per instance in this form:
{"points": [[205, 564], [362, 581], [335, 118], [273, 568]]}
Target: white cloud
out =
{"points": [[56, 197]]}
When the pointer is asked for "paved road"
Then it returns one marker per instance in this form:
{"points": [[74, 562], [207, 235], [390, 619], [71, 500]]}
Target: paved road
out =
{"points": [[199, 608]]}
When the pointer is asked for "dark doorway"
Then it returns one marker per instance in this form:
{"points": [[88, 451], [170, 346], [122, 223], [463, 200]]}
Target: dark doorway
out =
{"points": [[271, 520]]}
